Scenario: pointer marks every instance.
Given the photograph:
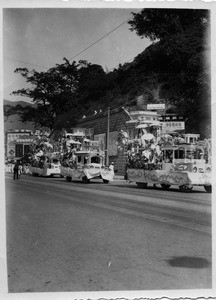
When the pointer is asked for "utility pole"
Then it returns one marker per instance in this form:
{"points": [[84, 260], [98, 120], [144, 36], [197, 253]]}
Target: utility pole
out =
{"points": [[164, 123], [108, 128]]}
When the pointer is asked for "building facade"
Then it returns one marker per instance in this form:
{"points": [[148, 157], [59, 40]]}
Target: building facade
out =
{"points": [[98, 124], [17, 143]]}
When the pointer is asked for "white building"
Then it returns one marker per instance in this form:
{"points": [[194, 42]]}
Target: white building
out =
{"points": [[17, 143]]}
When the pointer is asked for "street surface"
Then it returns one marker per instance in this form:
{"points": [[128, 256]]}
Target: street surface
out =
{"points": [[71, 236]]}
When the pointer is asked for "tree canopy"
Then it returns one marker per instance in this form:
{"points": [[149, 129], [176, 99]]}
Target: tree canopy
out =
{"points": [[179, 56], [174, 69]]}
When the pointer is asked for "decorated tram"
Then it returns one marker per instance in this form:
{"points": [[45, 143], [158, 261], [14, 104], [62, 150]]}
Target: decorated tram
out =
{"points": [[166, 160], [83, 158], [44, 161], [46, 165]]}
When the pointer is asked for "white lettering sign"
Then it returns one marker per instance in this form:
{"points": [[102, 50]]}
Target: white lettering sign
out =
{"points": [[172, 126], [156, 106]]}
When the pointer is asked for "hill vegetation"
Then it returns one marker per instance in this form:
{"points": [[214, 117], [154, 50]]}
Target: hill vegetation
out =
{"points": [[174, 70]]}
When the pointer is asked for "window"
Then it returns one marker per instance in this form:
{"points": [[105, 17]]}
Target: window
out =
{"points": [[176, 154], [26, 149], [95, 159], [181, 153], [19, 150]]}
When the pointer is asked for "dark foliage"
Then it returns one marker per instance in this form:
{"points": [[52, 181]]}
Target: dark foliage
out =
{"points": [[174, 69]]}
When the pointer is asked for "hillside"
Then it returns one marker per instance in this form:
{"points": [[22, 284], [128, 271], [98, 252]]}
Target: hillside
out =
{"points": [[13, 122], [14, 103], [172, 70]]}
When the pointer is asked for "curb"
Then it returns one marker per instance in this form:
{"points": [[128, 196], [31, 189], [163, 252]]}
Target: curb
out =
{"points": [[118, 178]]}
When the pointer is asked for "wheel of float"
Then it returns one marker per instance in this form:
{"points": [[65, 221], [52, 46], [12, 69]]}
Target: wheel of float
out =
{"points": [[142, 185], [208, 170], [165, 186], [68, 178], [185, 188], [85, 179], [105, 181], [208, 188], [195, 169]]}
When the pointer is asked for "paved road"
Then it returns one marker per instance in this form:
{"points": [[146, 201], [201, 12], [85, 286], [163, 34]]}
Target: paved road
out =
{"points": [[70, 236]]}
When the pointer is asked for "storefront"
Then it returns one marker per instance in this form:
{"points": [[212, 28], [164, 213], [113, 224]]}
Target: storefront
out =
{"points": [[17, 143]]}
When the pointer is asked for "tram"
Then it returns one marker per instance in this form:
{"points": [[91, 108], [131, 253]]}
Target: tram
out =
{"points": [[45, 166], [184, 166]]}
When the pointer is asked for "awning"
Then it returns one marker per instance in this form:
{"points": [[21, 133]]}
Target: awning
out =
{"points": [[142, 126], [148, 124], [155, 124]]}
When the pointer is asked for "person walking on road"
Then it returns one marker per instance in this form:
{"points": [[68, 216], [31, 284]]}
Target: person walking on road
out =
{"points": [[16, 170]]}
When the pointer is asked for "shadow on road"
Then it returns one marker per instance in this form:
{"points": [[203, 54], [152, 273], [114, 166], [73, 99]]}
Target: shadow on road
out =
{"points": [[188, 262]]}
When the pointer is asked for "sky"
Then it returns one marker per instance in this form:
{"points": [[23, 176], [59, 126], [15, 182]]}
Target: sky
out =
{"points": [[39, 38]]}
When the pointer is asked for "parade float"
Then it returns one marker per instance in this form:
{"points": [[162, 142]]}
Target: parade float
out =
{"points": [[44, 161], [83, 158], [165, 159]]}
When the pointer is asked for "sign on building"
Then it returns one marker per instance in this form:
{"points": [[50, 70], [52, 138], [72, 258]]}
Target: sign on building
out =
{"points": [[156, 106], [173, 126], [17, 137]]}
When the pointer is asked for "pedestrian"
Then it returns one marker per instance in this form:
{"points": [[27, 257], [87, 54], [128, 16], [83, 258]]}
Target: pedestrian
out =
{"points": [[20, 170], [16, 170], [111, 167]]}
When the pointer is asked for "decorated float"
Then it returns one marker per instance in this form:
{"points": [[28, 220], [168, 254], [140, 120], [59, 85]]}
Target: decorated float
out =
{"points": [[165, 159], [44, 161], [83, 158]]}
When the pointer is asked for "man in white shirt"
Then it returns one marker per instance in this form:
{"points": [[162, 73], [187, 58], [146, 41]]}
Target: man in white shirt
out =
{"points": [[111, 167]]}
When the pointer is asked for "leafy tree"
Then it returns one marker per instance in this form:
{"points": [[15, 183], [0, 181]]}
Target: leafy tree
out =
{"points": [[53, 91], [91, 87], [178, 54], [173, 68], [161, 24]]}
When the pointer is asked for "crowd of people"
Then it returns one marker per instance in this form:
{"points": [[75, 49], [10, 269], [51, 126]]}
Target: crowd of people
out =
{"points": [[23, 167]]}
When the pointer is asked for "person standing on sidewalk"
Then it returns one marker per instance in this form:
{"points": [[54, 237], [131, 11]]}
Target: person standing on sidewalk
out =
{"points": [[20, 168], [111, 168], [16, 170]]}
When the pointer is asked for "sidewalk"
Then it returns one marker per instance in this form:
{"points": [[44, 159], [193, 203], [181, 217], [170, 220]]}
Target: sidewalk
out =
{"points": [[118, 177]]}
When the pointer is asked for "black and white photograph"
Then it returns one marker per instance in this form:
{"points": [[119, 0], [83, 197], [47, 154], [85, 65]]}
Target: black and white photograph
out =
{"points": [[107, 157]]}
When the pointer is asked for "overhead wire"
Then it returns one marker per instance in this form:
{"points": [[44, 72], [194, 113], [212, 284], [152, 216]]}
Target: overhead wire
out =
{"points": [[98, 40], [27, 63]]}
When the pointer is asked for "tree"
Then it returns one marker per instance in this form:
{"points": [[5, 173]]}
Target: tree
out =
{"points": [[161, 24], [178, 54], [92, 86], [53, 91]]}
